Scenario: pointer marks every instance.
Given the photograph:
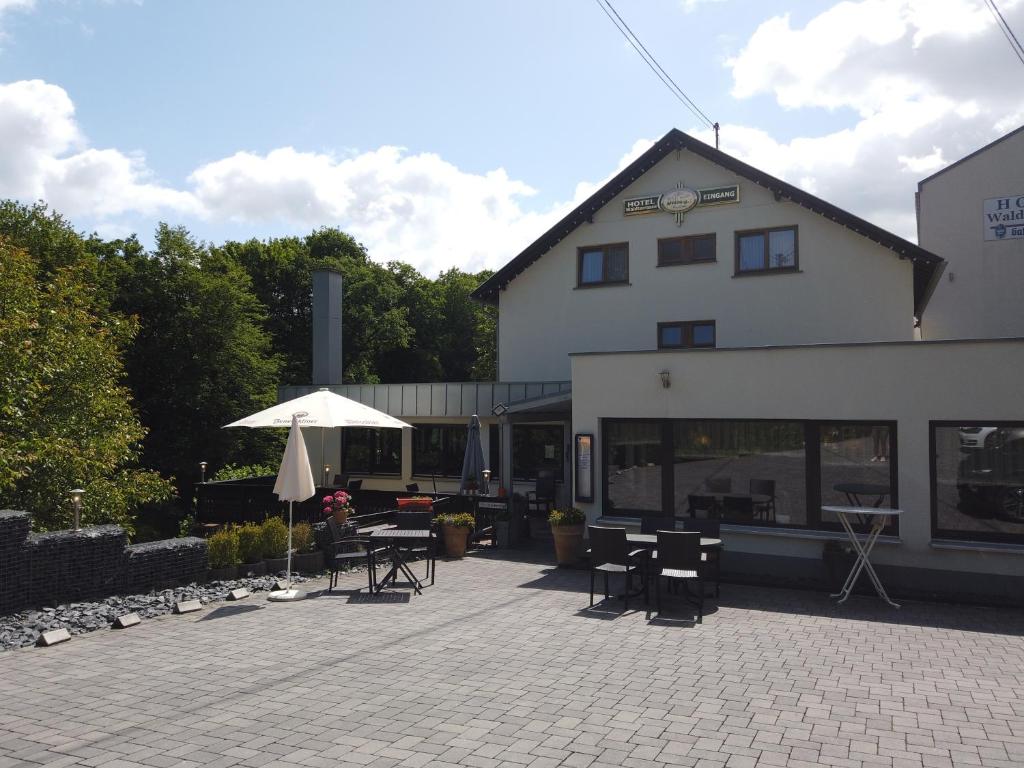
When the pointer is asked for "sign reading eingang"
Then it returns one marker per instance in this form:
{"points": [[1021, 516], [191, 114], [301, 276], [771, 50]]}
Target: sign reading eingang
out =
{"points": [[1004, 218]]}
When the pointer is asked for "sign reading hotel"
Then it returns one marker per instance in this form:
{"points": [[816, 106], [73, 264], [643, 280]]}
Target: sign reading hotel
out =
{"points": [[679, 201], [1004, 218]]}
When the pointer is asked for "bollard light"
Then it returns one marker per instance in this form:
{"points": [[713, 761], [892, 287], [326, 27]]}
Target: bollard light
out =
{"points": [[202, 471], [76, 504], [327, 475]]}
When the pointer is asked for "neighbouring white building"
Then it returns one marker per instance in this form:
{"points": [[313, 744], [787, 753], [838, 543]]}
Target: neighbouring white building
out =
{"points": [[699, 324]]}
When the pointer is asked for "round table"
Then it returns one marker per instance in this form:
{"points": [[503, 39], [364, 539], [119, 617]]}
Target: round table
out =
{"points": [[854, 491], [651, 540]]}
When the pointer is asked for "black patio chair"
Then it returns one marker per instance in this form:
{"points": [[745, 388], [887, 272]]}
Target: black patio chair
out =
{"points": [[655, 524], [419, 521], [610, 553], [764, 488], [413, 487], [712, 558], [679, 561], [346, 549], [738, 509], [700, 504], [542, 497], [718, 484], [354, 485]]}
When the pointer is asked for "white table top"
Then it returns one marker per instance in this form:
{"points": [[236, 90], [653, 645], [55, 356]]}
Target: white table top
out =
{"points": [[882, 511]]}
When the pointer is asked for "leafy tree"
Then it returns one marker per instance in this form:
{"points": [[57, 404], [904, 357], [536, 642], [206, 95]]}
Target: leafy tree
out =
{"points": [[65, 419]]}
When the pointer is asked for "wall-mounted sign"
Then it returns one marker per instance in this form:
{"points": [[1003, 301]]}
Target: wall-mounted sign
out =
{"points": [[680, 200], [584, 468], [1004, 218]]}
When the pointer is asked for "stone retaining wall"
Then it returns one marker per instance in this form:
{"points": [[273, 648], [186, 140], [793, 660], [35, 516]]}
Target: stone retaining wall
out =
{"points": [[38, 569]]}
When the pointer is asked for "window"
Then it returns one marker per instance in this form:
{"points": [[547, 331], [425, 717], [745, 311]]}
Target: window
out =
{"points": [[857, 466], [766, 250], [493, 446], [438, 449], [693, 249], [696, 333], [371, 451], [537, 446], [978, 481], [603, 264], [634, 457]]}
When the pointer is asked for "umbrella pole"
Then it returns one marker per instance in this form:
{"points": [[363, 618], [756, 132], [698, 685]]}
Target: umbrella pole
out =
{"points": [[288, 594], [289, 545], [323, 459]]}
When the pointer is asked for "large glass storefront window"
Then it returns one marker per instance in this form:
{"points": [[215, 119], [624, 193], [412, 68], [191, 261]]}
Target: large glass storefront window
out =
{"points": [[978, 481], [740, 471], [857, 466], [438, 449], [633, 456], [537, 446], [371, 451]]}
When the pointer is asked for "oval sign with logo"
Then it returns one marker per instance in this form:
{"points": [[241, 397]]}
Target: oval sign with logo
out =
{"points": [[679, 200]]}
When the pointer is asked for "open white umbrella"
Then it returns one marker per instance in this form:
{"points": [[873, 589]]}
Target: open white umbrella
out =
{"points": [[294, 483], [322, 409]]}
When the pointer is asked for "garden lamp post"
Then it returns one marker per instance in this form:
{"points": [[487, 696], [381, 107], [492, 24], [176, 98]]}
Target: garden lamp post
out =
{"points": [[76, 504], [327, 474], [202, 471]]}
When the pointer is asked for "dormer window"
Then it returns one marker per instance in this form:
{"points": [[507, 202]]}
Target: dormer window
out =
{"points": [[602, 265]]}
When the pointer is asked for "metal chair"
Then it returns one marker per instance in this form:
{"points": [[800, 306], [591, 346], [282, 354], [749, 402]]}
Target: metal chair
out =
{"points": [[738, 508], [543, 493], [764, 488], [718, 484], [413, 487], [609, 553], [354, 485], [654, 524], [345, 549], [419, 521], [711, 559], [679, 560], [699, 503]]}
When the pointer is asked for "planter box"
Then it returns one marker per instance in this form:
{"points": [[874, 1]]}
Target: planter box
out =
{"points": [[308, 562], [275, 565], [227, 573], [426, 505], [252, 569]]}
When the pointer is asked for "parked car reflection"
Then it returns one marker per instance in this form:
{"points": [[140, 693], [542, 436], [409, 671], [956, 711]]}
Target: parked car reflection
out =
{"points": [[990, 477]]}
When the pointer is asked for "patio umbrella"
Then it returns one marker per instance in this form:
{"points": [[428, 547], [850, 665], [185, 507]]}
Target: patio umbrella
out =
{"points": [[294, 483], [473, 461], [322, 409]]}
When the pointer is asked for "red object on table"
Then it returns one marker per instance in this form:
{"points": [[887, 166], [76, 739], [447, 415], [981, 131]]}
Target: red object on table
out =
{"points": [[408, 503]]}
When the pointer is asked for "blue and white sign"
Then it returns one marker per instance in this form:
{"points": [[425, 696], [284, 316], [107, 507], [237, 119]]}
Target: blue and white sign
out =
{"points": [[1004, 218]]}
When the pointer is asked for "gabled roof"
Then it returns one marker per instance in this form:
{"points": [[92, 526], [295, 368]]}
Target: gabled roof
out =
{"points": [[973, 154], [926, 264]]}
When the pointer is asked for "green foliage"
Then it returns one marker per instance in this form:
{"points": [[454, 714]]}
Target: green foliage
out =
{"points": [[222, 548], [241, 472], [186, 525], [302, 537], [569, 516], [66, 419], [274, 537], [250, 543], [456, 519]]}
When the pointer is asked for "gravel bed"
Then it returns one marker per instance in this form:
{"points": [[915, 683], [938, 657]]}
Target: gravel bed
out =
{"points": [[23, 629]]}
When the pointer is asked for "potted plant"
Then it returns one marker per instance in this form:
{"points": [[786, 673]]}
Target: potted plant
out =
{"points": [[250, 550], [456, 526], [274, 540], [222, 551], [306, 558], [339, 505], [416, 502], [567, 529]]}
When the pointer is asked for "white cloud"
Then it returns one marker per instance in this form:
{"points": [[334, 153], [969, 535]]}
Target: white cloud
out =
{"points": [[691, 5], [7, 6]]}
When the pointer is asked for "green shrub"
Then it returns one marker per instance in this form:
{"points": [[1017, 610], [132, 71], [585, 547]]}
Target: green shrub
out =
{"points": [[302, 537], [570, 516], [274, 537], [222, 548], [240, 472], [456, 519], [250, 543]]}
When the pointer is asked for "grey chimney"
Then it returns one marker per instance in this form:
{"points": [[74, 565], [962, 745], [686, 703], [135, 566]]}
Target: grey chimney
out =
{"points": [[326, 327]]}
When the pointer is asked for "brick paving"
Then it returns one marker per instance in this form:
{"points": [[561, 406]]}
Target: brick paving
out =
{"points": [[501, 664]]}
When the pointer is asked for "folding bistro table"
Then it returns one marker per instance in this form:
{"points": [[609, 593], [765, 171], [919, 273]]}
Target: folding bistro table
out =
{"points": [[395, 538], [878, 517]]}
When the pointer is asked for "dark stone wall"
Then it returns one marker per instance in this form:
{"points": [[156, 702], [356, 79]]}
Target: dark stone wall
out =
{"points": [[40, 569]]}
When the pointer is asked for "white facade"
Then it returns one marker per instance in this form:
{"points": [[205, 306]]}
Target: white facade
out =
{"points": [[979, 296], [848, 288]]}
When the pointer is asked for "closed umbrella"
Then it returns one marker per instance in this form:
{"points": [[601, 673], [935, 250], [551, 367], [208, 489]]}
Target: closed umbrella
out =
{"points": [[294, 483], [473, 461]]}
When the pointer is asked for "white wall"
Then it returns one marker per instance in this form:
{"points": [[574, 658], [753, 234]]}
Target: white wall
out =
{"points": [[911, 383], [979, 296], [848, 289]]}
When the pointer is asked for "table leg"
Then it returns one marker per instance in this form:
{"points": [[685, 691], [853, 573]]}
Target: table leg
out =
{"points": [[863, 561]]}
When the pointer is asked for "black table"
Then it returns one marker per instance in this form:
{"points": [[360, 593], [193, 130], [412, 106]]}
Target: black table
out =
{"points": [[395, 537], [854, 491], [651, 540]]}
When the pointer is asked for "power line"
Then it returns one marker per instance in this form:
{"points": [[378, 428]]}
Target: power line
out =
{"points": [[1004, 27], [655, 67]]}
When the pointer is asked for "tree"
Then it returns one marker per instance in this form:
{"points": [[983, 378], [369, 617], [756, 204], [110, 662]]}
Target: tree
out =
{"points": [[65, 419]]}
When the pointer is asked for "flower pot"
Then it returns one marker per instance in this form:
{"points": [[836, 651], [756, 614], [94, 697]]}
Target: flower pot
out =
{"points": [[340, 515], [424, 504], [227, 573], [252, 569], [568, 543], [308, 562], [455, 540], [275, 565]]}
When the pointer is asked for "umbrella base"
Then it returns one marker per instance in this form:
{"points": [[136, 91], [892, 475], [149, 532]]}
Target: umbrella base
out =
{"points": [[286, 595]]}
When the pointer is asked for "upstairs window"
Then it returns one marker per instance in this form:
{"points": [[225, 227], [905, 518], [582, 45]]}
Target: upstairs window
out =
{"points": [[693, 249], [695, 333], [603, 264], [766, 250]]}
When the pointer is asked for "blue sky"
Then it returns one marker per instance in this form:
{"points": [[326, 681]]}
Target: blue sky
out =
{"points": [[452, 133]]}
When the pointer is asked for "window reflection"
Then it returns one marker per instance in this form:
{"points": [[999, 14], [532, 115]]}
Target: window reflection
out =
{"points": [[855, 466], [633, 451]]}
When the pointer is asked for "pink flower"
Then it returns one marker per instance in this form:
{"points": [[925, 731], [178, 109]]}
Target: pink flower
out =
{"points": [[328, 499], [328, 511]]}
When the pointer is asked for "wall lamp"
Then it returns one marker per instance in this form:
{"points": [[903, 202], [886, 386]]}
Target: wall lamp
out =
{"points": [[666, 379], [76, 504]]}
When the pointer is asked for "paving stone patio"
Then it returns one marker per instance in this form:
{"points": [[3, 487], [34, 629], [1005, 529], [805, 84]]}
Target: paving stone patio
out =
{"points": [[500, 664]]}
